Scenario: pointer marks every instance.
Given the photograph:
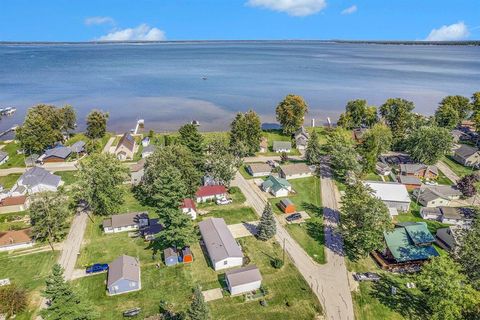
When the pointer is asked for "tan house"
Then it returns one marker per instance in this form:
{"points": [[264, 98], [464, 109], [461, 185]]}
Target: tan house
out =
{"points": [[467, 155], [126, 147], [14, 204], [295, 171]]}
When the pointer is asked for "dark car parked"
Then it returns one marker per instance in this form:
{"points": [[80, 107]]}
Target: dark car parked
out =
{"points": [[293, 217], [97, 267], [131, 312]]}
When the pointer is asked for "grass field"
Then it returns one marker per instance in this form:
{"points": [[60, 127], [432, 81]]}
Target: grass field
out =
{"points": [[232, 215], [14, 159], [442, 179], [372, 176], [457, 167], [276, 135], [69, 177], [8, 181], [7, 221]]}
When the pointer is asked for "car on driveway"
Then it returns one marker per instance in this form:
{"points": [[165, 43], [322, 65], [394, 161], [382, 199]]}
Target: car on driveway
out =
{"points": [[367, 276], [293, 217], [97, 267], [223, 201], [131, 312]]}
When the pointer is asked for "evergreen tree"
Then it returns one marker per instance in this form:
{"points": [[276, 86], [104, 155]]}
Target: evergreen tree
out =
{"points": [[291, 113], [100, 183], [55, 283], [48, 217], [314, 150], [267, 228], [364, 220], [467, 252], [96, 124], [198, 309], [193, 140], [179, 230]]}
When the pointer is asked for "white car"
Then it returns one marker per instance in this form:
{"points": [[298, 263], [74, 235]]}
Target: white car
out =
{"points": [[223, 201]]}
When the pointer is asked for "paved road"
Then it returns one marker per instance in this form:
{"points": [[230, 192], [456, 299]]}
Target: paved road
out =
{"points": [[53, 167], [106, 149], [329, 282], [447, 171], [267, 158]]}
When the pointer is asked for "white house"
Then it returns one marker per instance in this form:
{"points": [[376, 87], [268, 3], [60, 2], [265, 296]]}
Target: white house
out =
{"points": [[458, 216], [282, 146], [188, 207], [295, 171], [393, 194], [278, 187], [125, 222], [243, 280], [35, 180], [207, 193], [223, 250], [436, 196], [301, 138]]}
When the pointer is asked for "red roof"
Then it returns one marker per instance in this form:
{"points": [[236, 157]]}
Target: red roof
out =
{"points": [[206, 191], [13, 201], [12, 237], [188, 203]]}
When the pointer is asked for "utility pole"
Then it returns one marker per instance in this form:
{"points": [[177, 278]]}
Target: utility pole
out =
{"points": [[283, 259]]}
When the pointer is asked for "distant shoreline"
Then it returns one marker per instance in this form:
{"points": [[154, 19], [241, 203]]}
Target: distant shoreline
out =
{"points": [[380, 42]]}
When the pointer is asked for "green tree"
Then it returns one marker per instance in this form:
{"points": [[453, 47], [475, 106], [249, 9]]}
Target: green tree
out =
{"points": [[166, 189], [245, 134], [100, 183], [364, 219], [178, 231], [343, 156], [447, 293], [267, 228], [96, 124], [13, 300], [429, 144], [467, 253], [291, 112], [42, 128], [193, 140], [64, 304], [357, 114], [221, 164], [69, 118], [398, 115], [376, 141], [476, 101], [314, 150], [48, 217], [447, 116], [198, 309], [459, 103]]}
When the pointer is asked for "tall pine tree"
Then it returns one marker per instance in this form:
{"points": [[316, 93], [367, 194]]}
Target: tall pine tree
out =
{"points": [[313, 152], [193, 140], [179, 230], [267, 227], [198, 309]]}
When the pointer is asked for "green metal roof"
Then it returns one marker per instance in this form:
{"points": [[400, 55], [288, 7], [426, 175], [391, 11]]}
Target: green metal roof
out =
{"points": [[402, 242], [276, 183]]}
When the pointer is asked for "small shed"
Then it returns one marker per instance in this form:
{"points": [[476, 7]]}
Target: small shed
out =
{"points": [[243, 280], [287, 206], [187, 256], [170, 257]]}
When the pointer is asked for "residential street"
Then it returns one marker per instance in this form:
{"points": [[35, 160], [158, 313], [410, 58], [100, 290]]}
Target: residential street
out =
{"points": [[447, 171], [329, 282], [52, 166]]}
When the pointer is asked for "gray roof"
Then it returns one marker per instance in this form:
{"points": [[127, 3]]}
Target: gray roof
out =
{"points": [[218, 239], [59, 152], [457, 213], [170, 252], [412, 168], [465, 151], [149, 148], [409, 180], [124, 220], [37, 176], [78, 146], [126, 140], [278, 145], [295, 168], [429, 193], [3, 155], [286, 202], [260, 167], [431, 211], [31, 159], [243, 276], [124, 267]]}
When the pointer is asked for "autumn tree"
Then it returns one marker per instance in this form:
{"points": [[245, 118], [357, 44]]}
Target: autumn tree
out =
{"points": [[291, 113], [96, 124]]}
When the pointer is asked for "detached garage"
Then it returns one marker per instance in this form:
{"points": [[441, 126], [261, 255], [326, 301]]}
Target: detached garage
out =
{"points": [[243, 280]]}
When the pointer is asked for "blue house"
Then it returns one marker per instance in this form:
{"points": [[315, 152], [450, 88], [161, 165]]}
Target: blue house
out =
{"points": [[170, 257], [123, 275]]}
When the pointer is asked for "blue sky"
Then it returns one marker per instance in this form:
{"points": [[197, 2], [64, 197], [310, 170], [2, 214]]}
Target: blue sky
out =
{"points": [[86, 20]]}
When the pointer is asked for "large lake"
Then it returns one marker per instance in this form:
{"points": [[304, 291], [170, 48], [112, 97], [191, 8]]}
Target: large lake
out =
{"points": [[164, 82]]}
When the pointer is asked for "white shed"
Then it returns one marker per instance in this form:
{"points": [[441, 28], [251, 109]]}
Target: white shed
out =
{"points": [[243, 280]]}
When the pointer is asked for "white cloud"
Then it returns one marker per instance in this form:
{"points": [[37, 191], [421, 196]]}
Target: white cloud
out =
{"points": [[297, 8], [350, 10], [456, 31], [92, 21], [142, 32]]}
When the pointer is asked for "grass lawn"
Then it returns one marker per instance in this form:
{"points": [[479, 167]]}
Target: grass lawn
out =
{"points": [[243, 171], [276, 135], [414, 216], [29, 272], [309, 234], [456, 167], [75, 138], [442, 179], [69, 177], [7, 221], [14, 159], [372, 176], [232, 215], [9, 180], [131, 204]]}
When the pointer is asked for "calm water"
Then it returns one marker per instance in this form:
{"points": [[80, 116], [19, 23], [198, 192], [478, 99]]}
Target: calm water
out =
{"points": [[163, 84]]}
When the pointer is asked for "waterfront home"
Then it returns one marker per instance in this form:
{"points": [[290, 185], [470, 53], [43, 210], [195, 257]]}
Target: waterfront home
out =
{"points": [[137, 170], [259, 169], [126, 147], [449, 238], [3, 157], [301, 138], [436, 196], [15, 239], [125, 222], [278, 187], [148, 151], [263, 145], [209, 193], [188, 207], [243, 280], [394, 195], [462, 217], [282, 146], [35, 180], [58, 154], [78, 147], [467, 155], [295, 171], [170, 257], [419, 170], [123, 275], [14, 204], [222, 249], [411, 182]]}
